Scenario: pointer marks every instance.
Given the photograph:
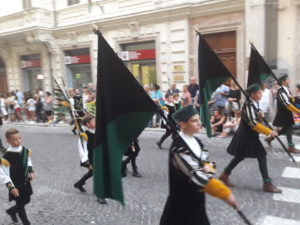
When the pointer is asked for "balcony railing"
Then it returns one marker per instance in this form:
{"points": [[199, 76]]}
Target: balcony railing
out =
{"points": [[31, 18]]}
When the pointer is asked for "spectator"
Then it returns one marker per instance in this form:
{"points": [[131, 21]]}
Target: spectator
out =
{"points": [[48, 107], [217, 121], [233, 99], [173, 90], [17, 109], [186, 97], [266, 101], [3, 109], [231, 126], [20, 98], [221, 96], [193, 86], [158, 100], [10, 104], [38, 108], [31, 108]]}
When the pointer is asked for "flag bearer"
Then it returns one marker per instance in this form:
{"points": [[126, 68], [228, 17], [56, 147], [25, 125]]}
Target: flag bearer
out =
{"points": [[245, 142], [284, 117], [86, 149], [190, 175]]}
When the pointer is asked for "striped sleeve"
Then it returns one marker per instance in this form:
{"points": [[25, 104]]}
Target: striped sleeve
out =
{"points": [[250, 115], [285, 101], [189, 165]]}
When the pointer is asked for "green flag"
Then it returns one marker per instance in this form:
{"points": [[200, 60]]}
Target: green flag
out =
{"points": [[212, 74], [259, 71], [123, 110]]}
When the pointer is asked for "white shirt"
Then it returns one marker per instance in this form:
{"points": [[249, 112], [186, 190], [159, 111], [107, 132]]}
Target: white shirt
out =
{"points": [[192, 143]]}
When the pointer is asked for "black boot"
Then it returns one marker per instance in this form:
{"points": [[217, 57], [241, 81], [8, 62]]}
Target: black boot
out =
{"points": [[80, 187], [159, 144], [13, 214], [136, 173], [124, 168]]}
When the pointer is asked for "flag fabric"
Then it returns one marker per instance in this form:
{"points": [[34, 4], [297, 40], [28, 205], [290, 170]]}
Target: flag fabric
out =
{"points": [[123, 110], [259, 71], [61, 103], [212, 74]]}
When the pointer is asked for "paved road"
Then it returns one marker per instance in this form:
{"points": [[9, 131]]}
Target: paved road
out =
{"points": [[56, 202]]}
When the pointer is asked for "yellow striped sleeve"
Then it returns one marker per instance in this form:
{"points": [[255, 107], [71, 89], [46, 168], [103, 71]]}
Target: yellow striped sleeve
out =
{"points": [[84, 136], [293, 108], [29, 152], [259, 128], [4, 162], [217, 189]]}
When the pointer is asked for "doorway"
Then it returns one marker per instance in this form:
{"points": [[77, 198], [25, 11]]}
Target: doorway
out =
{"points": [[145, 73], [3, 78]]}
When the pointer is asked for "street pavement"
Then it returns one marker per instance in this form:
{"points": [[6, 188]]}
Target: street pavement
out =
{"points": [[56, 202]]}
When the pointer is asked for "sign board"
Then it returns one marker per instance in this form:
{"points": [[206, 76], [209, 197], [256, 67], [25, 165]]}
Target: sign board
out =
{"points": [[78, 59], [30, 63], [146, 54]]}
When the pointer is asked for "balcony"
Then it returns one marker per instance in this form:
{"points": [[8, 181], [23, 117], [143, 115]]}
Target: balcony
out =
{"points": [[26, 20]]}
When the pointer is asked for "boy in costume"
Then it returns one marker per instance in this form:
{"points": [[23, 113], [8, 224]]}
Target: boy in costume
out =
{"points": [[16, 173], [190, 175], [131, 153], [86, 149], [245, 142], [284, 117]]}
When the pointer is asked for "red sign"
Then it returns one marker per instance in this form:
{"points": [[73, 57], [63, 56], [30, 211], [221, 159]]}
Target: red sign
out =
{"points": [[78, 59], [30, 63], [145, 54]]}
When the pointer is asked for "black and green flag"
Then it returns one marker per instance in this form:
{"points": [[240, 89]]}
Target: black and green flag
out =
{"points": [[212, 74], [123, 110], [259, 71]]}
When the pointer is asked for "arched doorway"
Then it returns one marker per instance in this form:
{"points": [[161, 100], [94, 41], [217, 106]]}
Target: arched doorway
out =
{"points": [[3, 78]]}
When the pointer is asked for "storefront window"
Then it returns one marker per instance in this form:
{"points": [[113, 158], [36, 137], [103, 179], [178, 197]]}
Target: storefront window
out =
{"points": [[78, 67]]}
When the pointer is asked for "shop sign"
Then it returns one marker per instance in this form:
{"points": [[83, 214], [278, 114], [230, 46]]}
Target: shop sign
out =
{"points": [[30, 63], [145, 54], [78, 59]]}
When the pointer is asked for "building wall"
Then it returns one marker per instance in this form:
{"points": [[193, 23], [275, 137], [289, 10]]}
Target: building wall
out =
{"points": [[287, 38]]}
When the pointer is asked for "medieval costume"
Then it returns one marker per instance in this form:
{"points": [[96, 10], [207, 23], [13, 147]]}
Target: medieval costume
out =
{"points": [[246, 144], [284, 117], [86, 149], [168, 110], [188, 179], [15, 167], [131, 153]]}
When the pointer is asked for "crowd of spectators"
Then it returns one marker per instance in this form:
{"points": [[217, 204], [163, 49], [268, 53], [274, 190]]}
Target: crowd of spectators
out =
{"points": [[224, 104]]}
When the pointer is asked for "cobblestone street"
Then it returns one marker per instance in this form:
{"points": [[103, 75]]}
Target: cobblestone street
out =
{"points": [[56, 202]]}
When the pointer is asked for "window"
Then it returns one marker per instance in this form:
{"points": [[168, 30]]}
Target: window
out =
{"points": [[73, 2]]}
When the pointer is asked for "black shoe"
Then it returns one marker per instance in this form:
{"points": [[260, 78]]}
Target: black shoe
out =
{"points": [[136, 174], [80, 187], [74, 132], [102, 201], [13, 217], [159, 145]]}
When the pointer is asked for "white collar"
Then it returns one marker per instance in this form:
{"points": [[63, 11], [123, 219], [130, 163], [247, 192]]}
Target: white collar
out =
{"points": [[14, 149]]}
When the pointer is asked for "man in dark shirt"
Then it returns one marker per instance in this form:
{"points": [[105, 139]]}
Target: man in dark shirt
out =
{"points": [[193, 87]]}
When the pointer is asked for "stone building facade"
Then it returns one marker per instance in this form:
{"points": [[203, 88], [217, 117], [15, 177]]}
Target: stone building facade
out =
{"points": [[155, 38]]}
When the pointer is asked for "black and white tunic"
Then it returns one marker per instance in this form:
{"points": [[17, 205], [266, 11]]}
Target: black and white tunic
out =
{"points": [[186, 201], [245, 142], [284, 117], [14, 168]]}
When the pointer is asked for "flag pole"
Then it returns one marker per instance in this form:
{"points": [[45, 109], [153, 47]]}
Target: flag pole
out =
{"points": [[257, 110]]}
